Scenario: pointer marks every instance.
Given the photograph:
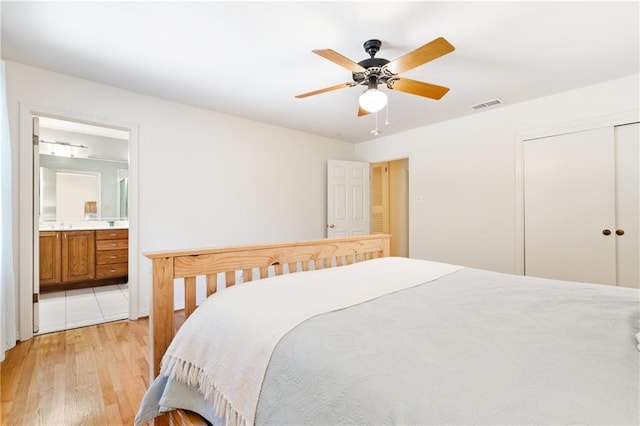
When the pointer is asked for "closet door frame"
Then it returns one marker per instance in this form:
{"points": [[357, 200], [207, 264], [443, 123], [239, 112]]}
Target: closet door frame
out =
{"points": [[563, 128]]}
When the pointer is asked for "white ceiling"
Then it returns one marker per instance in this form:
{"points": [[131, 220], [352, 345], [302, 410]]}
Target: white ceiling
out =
{"points": [[250, 59]]}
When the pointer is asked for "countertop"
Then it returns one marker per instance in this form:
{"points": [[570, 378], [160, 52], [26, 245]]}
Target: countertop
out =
{"points": [[83, 225]]}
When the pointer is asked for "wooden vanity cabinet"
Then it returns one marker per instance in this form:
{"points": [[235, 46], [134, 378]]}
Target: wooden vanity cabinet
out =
{"points": [[77, 259]]}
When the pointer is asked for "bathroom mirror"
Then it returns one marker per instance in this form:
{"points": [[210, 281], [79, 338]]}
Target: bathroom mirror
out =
{"points": [[73, 189]]}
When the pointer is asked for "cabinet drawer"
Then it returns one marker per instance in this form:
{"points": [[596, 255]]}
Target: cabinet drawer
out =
{"points": [[112, 245], [112, 271], [112, 234], [107, 257]]}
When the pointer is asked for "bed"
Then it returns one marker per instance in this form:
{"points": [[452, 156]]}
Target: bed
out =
{"points": [[335, 331]]}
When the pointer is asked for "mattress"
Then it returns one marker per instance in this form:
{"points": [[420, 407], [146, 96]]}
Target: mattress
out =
{"points": [[461, 346]]}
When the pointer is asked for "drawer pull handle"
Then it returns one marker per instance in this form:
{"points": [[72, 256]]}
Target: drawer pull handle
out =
{"points": [[113, 257], [113, 244], [113, 270], [112, 235]]}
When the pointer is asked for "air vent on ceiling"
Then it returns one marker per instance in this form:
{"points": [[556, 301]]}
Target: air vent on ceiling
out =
{"points": [[486, 104]]}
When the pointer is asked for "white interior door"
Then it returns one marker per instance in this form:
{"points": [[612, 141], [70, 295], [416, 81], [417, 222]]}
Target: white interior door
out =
{"points": [[347, 198], [569, 197], [627, 205]]}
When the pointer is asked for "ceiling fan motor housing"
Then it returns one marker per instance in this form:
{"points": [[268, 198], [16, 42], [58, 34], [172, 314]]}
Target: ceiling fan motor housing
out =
{"points": [[373, 62], [373, 65]]}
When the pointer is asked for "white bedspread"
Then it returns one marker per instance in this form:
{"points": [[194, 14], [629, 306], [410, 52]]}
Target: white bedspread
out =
{"points": [[225, 347]]}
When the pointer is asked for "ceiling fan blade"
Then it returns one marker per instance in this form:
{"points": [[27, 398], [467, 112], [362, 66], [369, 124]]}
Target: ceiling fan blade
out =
{"points": [[337, 58], [419, 88], [326, 89], [362, 111], [430, 51]]}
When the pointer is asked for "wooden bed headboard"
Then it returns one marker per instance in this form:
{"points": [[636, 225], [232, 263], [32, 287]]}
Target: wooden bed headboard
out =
{"points": [[250, 262]]}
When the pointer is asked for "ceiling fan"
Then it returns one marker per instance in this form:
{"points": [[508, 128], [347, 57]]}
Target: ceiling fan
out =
{"points": [[374, 71]]}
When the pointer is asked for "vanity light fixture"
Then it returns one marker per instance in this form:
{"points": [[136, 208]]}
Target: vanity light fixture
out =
{"points": [[64, 144], [62, 149]]}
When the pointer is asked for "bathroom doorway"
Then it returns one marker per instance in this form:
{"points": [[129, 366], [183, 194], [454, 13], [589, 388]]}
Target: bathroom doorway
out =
{"points": [[82, 263]]}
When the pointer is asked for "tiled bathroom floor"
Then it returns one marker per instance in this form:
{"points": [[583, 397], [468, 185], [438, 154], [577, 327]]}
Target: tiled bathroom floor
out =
{"points": [[65, 310]]}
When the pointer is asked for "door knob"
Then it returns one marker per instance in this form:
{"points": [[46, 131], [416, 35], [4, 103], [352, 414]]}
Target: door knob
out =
{"points": [[606, 232], [619, 231], [332, 226]]}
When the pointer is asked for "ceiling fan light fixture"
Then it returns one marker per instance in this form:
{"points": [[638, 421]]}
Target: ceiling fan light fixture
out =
{"points": [[373, 100]]}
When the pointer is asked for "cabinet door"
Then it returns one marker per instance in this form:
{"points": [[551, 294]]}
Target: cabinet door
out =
{"points": [[78, 256], [50, 258], [569, 196]]}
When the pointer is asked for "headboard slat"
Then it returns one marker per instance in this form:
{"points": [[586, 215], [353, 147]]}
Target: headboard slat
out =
{"points": [[189, 295], [229, 279], [279, 268], [212, 284]]}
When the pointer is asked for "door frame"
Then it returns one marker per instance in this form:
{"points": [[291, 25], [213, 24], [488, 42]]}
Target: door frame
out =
{"points": [[390, 205], [407, 206], [27, 224], [552, 130]]}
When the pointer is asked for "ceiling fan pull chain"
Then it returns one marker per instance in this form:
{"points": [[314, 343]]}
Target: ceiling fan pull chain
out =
{"points": [[386, 123], [375, 132]]}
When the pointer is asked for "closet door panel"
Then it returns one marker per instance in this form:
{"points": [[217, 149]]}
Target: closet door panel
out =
{"points": [[627, 202], [569, 196]]}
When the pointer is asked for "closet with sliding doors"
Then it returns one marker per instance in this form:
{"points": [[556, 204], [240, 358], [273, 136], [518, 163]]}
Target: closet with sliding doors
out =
{"points": [[581, 214]]}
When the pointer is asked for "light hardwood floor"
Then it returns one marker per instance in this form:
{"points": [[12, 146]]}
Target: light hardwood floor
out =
{"points": [[89, 376]]}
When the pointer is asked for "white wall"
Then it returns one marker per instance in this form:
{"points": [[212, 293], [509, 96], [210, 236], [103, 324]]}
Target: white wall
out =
{"points": [[205, 179], [210, 179], [465, 172]]}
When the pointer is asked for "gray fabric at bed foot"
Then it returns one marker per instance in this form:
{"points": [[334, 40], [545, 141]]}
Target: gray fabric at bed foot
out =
{"points": [[503, 350]]}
